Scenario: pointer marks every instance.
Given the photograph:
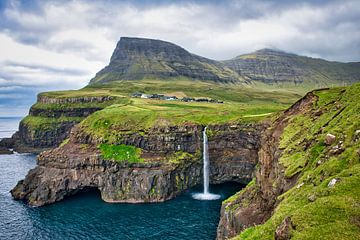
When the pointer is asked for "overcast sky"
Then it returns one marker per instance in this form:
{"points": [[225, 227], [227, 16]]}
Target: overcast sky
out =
{"points": [[50, 45]]}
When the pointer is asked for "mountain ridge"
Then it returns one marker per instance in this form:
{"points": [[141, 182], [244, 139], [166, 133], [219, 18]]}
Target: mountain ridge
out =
{"points": [[143, 58], [271, 66]]}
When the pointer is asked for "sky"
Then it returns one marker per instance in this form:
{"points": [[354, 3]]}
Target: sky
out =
{"points": [[57, 45]]}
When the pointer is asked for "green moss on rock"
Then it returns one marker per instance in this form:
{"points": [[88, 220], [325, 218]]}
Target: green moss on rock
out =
{"points": [[121, 153]]}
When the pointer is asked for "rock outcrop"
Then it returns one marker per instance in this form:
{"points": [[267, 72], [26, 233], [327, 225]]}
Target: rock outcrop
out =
{"points": [[78, 165]]}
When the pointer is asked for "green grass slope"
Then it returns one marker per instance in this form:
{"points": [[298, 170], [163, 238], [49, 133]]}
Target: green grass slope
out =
{"points": [[316, 209], [241, 104], [123, 114]]}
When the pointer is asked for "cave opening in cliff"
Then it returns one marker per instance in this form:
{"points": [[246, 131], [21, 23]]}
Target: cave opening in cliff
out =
{"points": [[85, 192]]}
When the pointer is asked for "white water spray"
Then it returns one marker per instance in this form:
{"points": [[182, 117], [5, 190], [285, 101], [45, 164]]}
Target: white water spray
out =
{"points": [[206, 195]]}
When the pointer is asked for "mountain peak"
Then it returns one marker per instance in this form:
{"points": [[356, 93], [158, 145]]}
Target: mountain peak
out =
{"points": [[270, 51], [132, 46]]}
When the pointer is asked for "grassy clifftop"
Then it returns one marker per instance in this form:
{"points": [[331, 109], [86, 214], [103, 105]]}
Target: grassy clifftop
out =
{"points": [[240, 104], [324, 202], [109, 109]]}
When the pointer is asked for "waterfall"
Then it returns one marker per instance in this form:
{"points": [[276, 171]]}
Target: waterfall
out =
{"points": [[206, 195], [205, 162]]}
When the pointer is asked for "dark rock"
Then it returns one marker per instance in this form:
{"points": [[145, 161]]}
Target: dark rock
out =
{"points": [[357, 135], [4, 150], [84, 99], [65, 174], [30, 139], [335, 150], [283, 231], [330, 139], [312, 198], [44, 138], [7, 143]]}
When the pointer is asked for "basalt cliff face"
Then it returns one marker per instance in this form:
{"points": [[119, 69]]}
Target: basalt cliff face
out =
{"points": [[255, 204], [78, 165]]}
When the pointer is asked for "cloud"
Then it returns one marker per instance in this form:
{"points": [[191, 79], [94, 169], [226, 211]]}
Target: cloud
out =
{"points": [[90, 29], [62, 44]]}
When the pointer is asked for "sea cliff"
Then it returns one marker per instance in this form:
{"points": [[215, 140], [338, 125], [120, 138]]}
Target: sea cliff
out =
{"points": [[170, 163]]}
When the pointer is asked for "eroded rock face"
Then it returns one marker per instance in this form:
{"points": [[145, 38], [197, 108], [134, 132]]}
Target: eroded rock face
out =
{"points": [[38, 138], [255, 205], [233, 152], [64, 172], [283, 231], [77, 166]]}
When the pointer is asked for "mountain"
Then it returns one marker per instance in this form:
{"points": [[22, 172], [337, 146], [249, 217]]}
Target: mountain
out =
{"points": [[275, 67], [139, 58]]}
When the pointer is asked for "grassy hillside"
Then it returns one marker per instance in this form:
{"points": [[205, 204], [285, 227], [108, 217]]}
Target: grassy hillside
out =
{"points": [[317, 208], [240, 104]]}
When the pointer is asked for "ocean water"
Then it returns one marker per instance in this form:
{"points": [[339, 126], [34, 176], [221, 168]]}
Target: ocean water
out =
{"points": [[86, 216], [8, 125]]}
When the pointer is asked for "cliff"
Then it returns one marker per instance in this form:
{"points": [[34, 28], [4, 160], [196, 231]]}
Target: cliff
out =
{"points": [[306, 182], [50, 119], [169, 163]]}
